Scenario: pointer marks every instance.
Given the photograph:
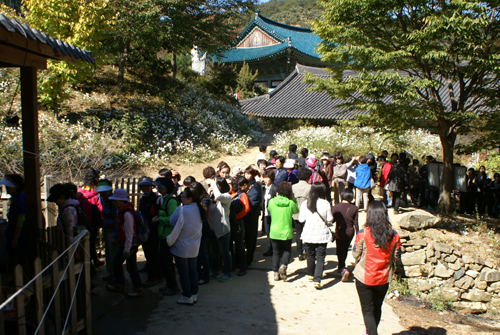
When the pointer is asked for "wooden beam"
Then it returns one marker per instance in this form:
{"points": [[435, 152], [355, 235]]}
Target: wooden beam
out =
{"points": [[36, 47], [34, 224], [17, 57]]}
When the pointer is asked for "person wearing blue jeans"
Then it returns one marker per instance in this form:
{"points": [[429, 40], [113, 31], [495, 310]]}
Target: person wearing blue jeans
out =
{"points": [[188, 276], [220, 247]]}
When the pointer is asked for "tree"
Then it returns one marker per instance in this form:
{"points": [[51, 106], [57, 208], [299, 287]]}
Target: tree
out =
{"points": [[245, 83], [78, 22], [418, 64]]}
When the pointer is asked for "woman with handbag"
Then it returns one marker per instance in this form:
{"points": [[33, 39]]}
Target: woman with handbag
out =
{"points": [[184, 242], [345, 216], [316, 213], [376, 248]]}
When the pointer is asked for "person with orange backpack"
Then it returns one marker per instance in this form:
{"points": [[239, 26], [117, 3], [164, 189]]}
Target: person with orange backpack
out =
{"points": [[127, 239]]}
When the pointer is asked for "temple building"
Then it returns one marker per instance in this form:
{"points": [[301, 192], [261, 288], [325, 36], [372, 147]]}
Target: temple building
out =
{"points": [[274, 49]]}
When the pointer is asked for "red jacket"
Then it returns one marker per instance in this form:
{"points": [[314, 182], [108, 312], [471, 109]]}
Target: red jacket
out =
{"points": [[386, 168], [374, 265]]}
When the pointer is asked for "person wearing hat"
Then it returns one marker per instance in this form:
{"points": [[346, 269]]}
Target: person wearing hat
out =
{"points": [[67, 220], [290, 167], [15, 234], [126, 230], [147, 207], [109, 215], [311, 165], [166, 204]]}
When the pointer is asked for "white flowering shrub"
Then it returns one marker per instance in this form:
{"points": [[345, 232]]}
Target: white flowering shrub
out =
{"points": [[351, 140]]}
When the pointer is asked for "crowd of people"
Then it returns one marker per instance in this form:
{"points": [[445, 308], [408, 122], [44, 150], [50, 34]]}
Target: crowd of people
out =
{"points": [[207, 229]]}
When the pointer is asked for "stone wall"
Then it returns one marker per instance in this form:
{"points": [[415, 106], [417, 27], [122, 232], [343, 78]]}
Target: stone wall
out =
{"points": [[471, 283]]}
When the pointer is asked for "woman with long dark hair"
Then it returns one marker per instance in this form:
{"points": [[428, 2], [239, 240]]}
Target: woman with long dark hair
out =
{"points": [[316, 213], [185, 245], [251, 220], [377, 245]]}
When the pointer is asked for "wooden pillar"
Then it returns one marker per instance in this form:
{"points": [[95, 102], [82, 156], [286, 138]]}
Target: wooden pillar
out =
{"points": [[29, 106]]}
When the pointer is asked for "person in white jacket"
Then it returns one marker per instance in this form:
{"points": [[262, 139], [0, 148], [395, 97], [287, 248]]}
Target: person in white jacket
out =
{"points": [[316, 213], [221, 226]]}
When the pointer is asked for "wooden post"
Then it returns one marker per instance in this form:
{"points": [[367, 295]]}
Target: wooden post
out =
{"points": [[57, 299], [21, 315], [39, 296], [34, 222], [88, 288], [72, 288]]}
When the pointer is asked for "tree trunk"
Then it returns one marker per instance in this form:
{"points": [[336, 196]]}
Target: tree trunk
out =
{"points": [[56, 111], [122, 64], [173, 62], [447, 137]]}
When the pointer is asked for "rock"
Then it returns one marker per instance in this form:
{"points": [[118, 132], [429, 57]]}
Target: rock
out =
{"points": [[475, 267], [427, 270], [466, 259], [442, 272], [495, 301], [451, 258], [464, 283], [476, 295], [448, 293], [469, 307], [480, 261], [424, 285], [432, 260], [429, 252], [403, 249], [409, 249], [404, 234], [492, 276], [438, 254], [472, 273], [443, 248], [480, 284], [413, 258], [455, 266], [459, 273], [490, 263], [417, 247], [418, 242], [413, 271], [457, 253], [483, 273], [495, 286], [449, 282], [417, 219]]}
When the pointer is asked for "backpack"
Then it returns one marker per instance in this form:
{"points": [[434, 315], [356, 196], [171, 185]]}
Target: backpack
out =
{"points": [[315, 177], [82, 219], [141, 226]]}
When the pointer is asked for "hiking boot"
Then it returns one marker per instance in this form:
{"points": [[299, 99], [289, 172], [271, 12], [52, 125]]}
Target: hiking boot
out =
{"points": [[311, 278], [317, 285], [186, 301], [242, 272], [268, 253], [345, 275], [195, 298], [170, 291], [136, 292], [282, 271], [225, 278], [150, 283], [276, 276], [115, 288]]}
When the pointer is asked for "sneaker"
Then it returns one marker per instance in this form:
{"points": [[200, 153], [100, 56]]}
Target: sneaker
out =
{"points": [[195, 298], [301, 257], [150, 283], [214, 275], [268, 253], [137, 292], [311, 278], [170, 291], [317, 285], [345, 275], [225, 278], [242, 272], [202, 282], [115, 288], [186, 301], [282, 271], [276, 276]]}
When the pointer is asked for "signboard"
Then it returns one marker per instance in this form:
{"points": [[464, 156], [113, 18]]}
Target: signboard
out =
{"points": [[459, 176], [435, 173]]}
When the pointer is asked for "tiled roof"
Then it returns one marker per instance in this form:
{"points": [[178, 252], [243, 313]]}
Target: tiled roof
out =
{"points": [[63, 49], [291, 99], [300, 40]]}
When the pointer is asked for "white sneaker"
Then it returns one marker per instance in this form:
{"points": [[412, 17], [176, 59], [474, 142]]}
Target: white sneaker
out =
{"points": [[195, 297], [185, 301]]}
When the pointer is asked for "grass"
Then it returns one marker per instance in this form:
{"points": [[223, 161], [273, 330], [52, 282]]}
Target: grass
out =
{"points": [[438, 302]]}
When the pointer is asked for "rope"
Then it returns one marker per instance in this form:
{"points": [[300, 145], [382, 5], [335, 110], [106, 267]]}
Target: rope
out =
{"points": [[79, 238], [72, 300]]}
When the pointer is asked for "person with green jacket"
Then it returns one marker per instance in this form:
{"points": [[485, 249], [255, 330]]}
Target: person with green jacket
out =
{"points": [[281, 208], [166, 205]]}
